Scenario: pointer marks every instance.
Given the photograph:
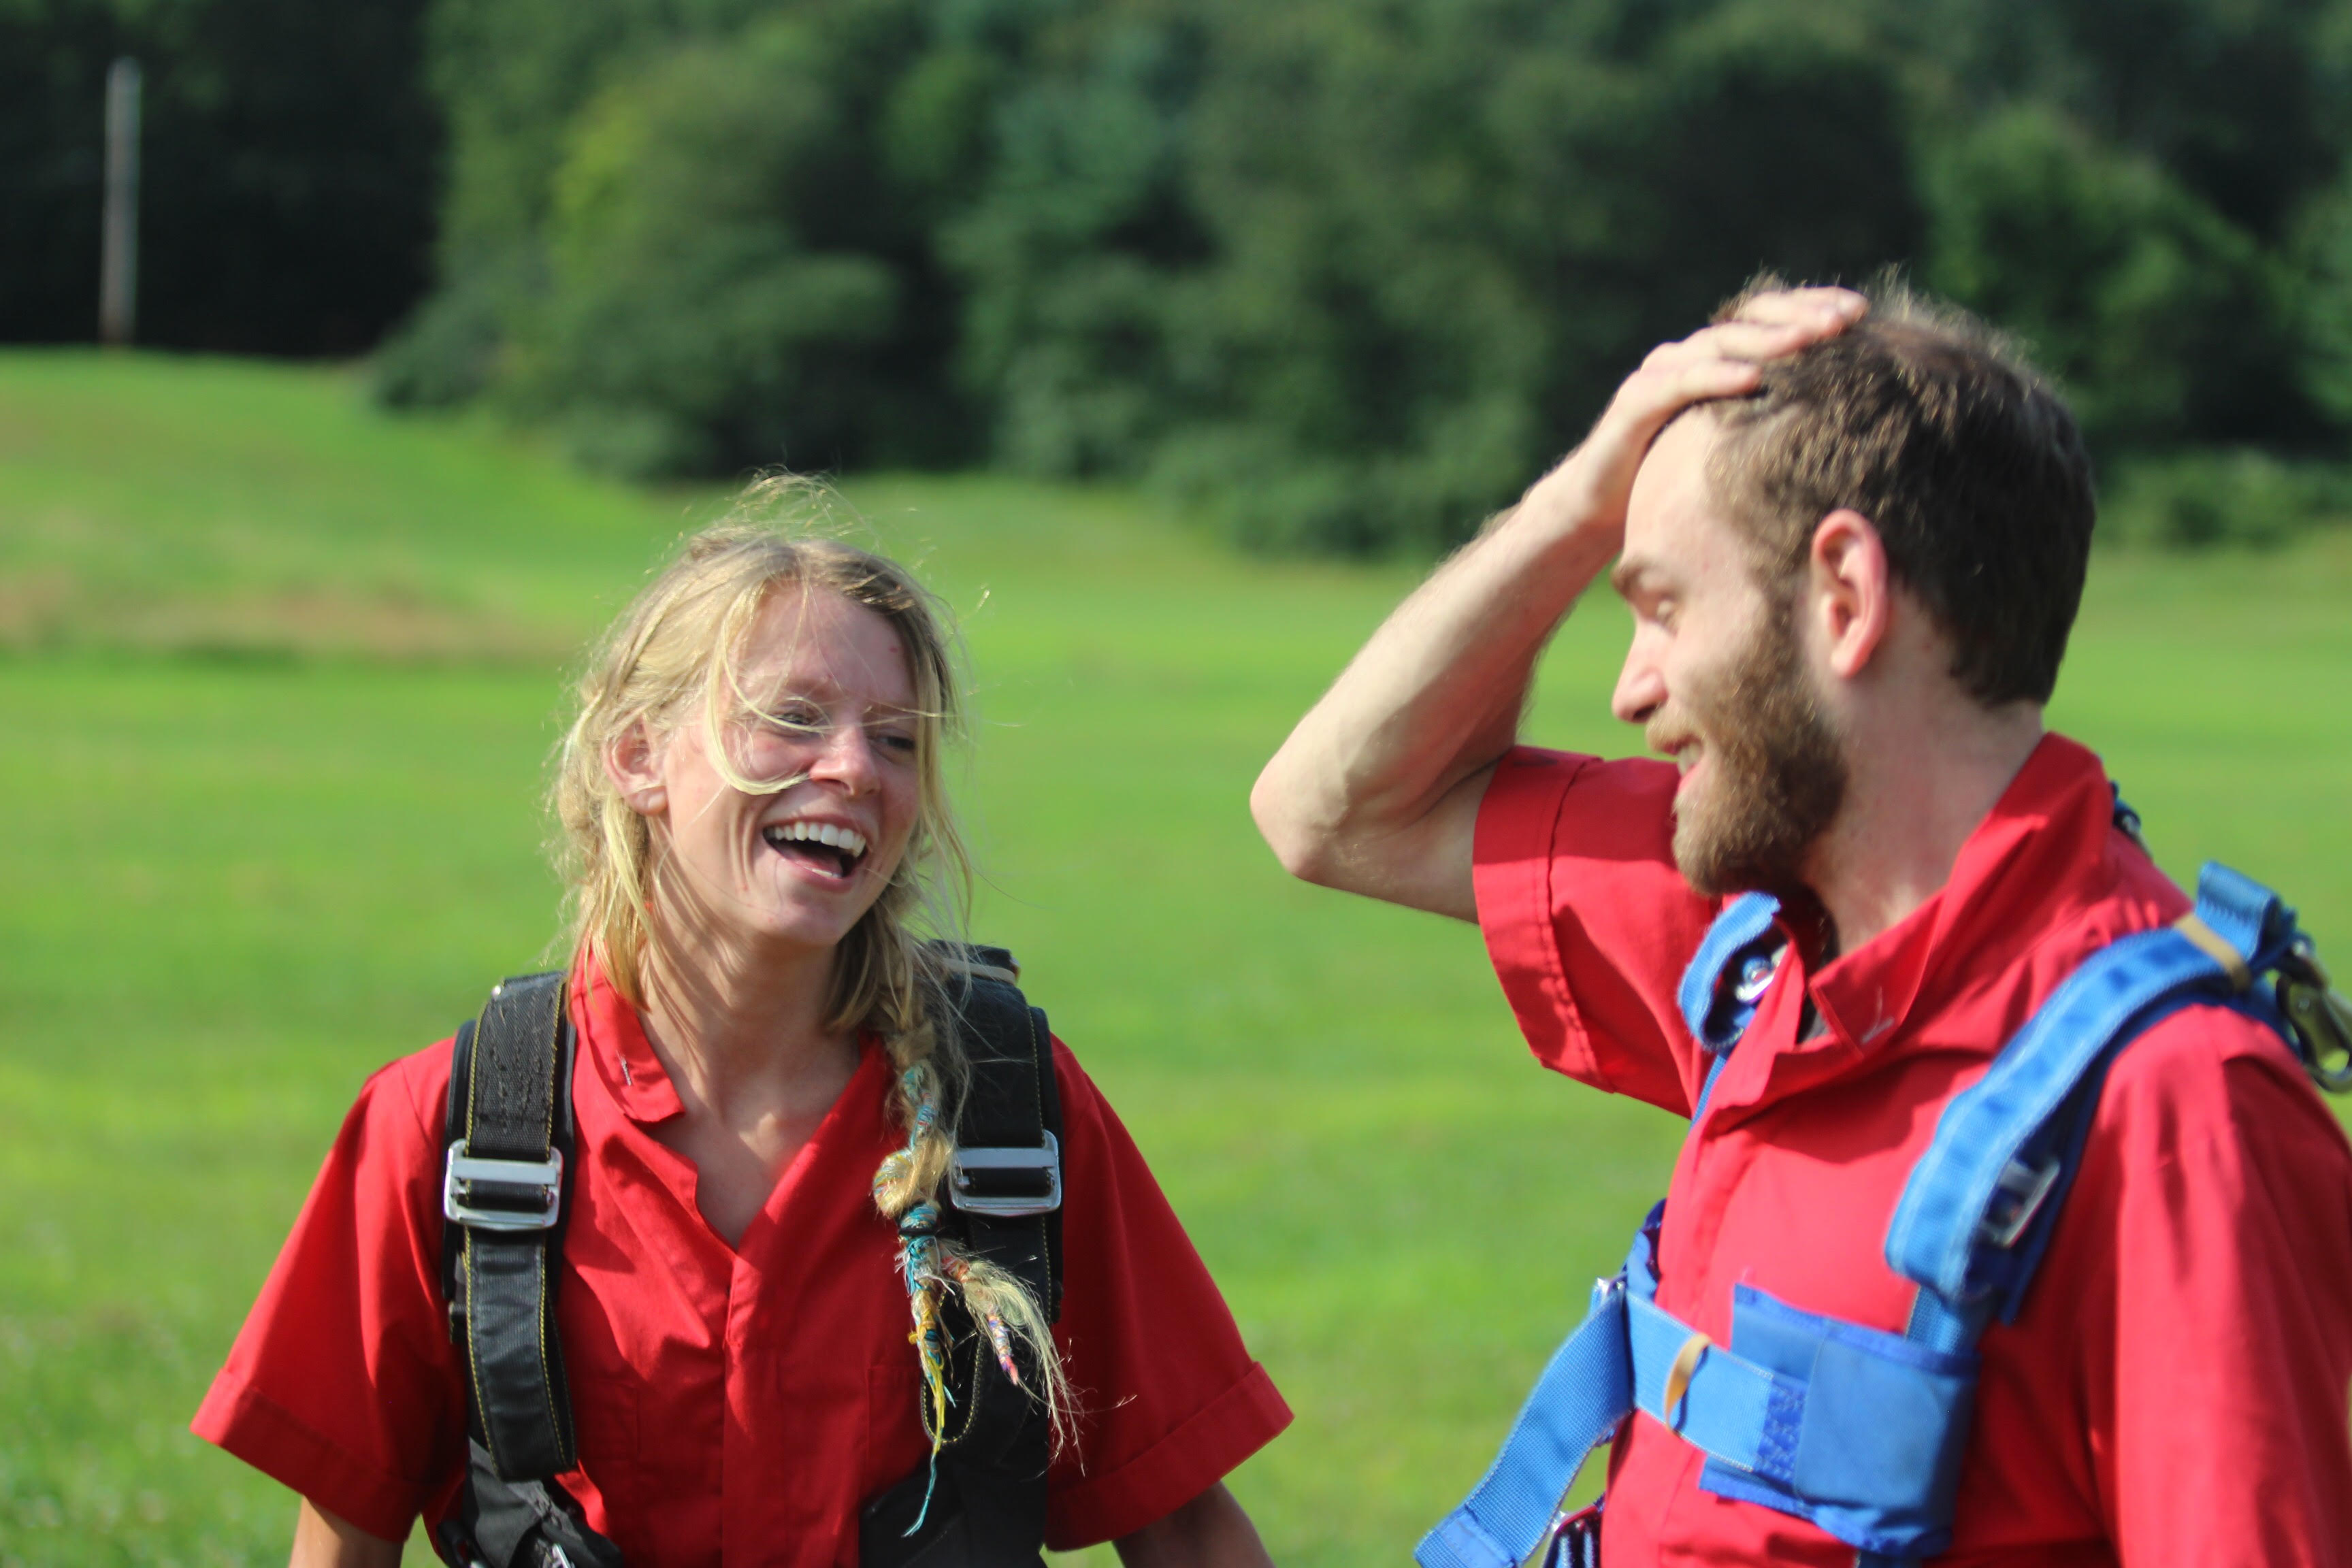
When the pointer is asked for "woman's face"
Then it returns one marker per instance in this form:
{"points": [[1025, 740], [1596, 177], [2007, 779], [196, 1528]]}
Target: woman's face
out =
{"points": [[835, 715]]}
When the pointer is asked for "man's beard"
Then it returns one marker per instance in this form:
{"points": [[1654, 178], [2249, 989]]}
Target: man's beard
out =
{"points": [[1775, 775]]}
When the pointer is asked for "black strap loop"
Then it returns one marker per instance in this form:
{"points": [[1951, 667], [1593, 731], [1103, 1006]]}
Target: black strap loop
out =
{"points": [[509, 1101]]}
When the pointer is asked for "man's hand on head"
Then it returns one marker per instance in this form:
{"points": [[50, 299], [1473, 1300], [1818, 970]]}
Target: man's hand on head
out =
{"points": [[1377, 790], [1588, 489]]}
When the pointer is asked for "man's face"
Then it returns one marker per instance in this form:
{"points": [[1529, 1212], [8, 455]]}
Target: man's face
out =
{"points": [[1716, 676]]}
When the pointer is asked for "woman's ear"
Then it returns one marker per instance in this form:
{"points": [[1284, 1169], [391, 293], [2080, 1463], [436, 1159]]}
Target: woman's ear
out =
{"points": [[634, 765]]}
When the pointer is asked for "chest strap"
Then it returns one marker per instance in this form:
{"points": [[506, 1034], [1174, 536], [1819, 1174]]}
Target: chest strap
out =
{"points": [[986, 1506], [503, 1178], [507, 1171], [1860, 1431]]}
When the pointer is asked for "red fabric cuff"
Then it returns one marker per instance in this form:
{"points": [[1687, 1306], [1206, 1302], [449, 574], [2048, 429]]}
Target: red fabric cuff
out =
{"points": [[240, 1420], [1511, 870], [1173, 1472]]}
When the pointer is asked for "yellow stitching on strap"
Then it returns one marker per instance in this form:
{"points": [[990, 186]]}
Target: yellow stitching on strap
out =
{"points": [[1678, 1378], [2217, 946]]}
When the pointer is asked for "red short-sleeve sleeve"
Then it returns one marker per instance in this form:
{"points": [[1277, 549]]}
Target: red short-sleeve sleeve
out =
{"points": [[2219, 1343], [1169, 1398], [1587, 919], [342, 1384]]}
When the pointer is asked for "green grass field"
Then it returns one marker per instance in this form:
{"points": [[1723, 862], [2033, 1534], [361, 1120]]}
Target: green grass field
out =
{"points": [[281, 677]]}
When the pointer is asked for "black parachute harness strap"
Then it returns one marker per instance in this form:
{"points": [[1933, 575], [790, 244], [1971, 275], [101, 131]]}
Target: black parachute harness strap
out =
{"points": [[509, 1137], [1003, 1202]]}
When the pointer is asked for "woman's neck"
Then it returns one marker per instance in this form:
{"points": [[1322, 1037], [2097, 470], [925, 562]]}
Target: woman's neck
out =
{"points": [[742, 1029], [743, 1037]]}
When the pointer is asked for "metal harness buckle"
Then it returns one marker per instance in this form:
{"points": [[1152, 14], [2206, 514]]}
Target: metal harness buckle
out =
{"points": [[546, 1175], [1007, 1205], [2026, 1186]]}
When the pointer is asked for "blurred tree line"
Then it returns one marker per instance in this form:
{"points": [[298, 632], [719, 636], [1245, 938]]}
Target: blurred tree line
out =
{"points": [[1347, 273], [291, 156]]}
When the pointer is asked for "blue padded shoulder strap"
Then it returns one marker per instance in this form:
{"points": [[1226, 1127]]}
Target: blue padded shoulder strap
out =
{"points": [[2001, 1153], [1972, 1186], [1726, 978], [1732, 971], [2246, 915]]}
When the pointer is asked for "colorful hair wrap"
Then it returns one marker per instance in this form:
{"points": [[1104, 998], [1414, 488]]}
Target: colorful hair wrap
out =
{"points": [[920, 1262]]}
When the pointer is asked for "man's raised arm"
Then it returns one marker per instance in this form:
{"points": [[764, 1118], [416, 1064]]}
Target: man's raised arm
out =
{"points": [[1377, 790]]}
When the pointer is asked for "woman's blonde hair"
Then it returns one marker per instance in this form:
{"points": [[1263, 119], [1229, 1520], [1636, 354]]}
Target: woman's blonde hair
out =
{"points": [[673, 658]]}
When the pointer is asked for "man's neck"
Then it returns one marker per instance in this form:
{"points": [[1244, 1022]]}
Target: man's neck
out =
{"points": [[1919, 783]]}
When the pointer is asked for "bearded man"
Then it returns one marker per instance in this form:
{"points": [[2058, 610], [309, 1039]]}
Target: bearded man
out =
{"points": [[1854, 535]]}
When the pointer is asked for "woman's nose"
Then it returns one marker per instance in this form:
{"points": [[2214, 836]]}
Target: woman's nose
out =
{"points": [[847, 758]]}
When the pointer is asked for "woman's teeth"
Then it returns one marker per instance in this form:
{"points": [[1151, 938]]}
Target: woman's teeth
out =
{"points": [[840, 848], [824, 833]]}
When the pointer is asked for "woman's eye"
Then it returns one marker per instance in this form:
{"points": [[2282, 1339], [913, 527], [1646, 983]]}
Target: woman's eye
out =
{"points": [[898, 742], [797, 718]]}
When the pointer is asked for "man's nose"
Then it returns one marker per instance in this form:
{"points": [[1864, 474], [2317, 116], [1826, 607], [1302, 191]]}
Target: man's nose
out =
{"points": [[1641, 687]]}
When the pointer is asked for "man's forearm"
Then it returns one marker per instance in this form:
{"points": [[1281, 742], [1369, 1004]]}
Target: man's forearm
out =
{"points": [[1377, 791], [1431, 700]]}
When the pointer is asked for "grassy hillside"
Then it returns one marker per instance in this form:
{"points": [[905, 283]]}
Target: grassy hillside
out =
{"points": [[285, 676]]}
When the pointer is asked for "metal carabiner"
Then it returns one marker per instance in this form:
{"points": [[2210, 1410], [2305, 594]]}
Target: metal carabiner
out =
{"points": [[2318, 1015]]}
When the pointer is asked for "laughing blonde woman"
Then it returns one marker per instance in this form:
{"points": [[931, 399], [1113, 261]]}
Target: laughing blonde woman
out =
{"points": [[762, 1290]]}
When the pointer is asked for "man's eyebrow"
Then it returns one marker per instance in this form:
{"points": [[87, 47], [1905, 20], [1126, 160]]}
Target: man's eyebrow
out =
{"points": [[1627, 574]]}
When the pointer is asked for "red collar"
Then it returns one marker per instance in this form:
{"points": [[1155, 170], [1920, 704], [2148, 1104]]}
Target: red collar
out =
{"points": [[2041, 850], [612, 1036]]}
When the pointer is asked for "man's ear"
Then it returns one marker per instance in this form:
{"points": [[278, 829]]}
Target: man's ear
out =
{"points": [[1852, 591], [634, 765]]}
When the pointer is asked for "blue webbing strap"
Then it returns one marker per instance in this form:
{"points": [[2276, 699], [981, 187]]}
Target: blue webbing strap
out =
{"points": [[2246, 915], [1587, 1389], [1726, 978], [1730, 972], [1979, 1180], [2008, 1147], [1734, 1409], [1578, 1402]]}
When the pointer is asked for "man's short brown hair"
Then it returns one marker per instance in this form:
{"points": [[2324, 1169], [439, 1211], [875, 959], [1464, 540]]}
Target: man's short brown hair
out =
{"points": [[1931, 424]]}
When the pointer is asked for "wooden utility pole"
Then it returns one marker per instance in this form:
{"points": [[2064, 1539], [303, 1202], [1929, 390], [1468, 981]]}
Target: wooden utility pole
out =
{"points": [[118, 270]]}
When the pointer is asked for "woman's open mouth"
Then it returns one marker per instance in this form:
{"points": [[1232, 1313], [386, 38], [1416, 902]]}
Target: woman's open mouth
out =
{"points": [[824, 847]]}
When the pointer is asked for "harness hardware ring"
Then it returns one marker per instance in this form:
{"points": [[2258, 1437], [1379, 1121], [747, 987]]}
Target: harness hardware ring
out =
{"points": [[1678, 1377]]}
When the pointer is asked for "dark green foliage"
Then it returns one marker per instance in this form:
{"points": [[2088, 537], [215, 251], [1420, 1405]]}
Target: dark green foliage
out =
{"points": [[1443, 245], [706, 242], [2165, 320], [289, 152], [1343, 273], [2221, 495]]}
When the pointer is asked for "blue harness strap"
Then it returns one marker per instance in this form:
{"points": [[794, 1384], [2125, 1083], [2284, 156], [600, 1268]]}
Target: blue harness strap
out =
{"points": [[1860, 1431], [1732, 971], [1576, 1404]]}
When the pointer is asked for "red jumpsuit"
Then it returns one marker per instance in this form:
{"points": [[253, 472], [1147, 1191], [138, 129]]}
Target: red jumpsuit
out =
{"points": [[2175, 1389], [734, 1405]]}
